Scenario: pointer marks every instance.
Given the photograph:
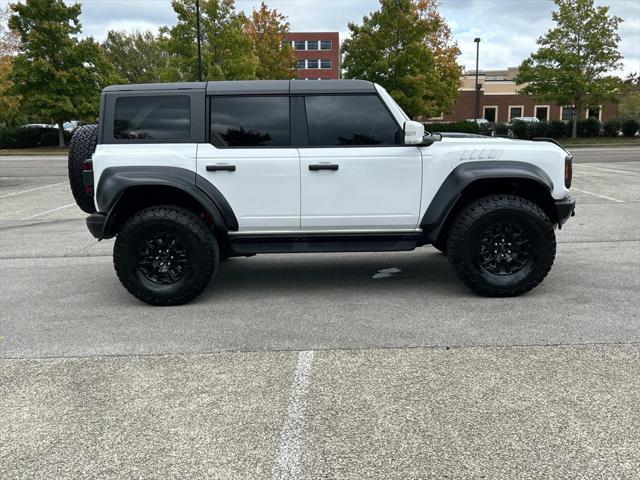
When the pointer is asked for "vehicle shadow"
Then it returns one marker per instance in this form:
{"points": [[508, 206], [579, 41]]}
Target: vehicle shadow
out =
{"points": [[335, 273]]}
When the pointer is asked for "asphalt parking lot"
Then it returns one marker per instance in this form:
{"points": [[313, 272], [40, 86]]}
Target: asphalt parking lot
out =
{"points": [[317, 366]]}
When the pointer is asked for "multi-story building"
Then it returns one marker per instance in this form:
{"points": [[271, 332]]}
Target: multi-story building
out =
{"points": [[318, 54], [500, 101]]}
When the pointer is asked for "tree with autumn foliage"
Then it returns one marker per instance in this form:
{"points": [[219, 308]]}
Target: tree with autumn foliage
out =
{"points": [[9, 43], [573, 63], [227, 50], [268, 30], [407, 47]]}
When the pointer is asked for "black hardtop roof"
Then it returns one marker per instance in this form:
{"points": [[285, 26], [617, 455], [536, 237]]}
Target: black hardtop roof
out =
{"points": [[253, 87]]}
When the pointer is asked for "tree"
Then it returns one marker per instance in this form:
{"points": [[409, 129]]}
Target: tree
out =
{"points": [[573, 60], [136, 57], [268, 30], [8, 48], [227, 51], [406, 47], [58, 76], [630, 98]]}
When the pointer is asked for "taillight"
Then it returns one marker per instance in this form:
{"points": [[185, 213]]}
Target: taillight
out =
{"points": [[568, 170], [87, 165]]}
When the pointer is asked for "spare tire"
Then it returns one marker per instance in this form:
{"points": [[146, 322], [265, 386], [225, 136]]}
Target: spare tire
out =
{"points": [[83, 144]]}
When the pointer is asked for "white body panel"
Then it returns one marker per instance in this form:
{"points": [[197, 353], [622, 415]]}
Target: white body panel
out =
{"points": [[264, 191], [375, 188], [181, 155]]}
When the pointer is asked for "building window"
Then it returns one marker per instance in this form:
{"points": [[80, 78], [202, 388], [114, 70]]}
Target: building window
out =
{"points": [[325, 45], [312, 63], [250, 121], [325, 64], [349, 120], [490, 114], [594, 112], [515, 112], [161, 117], [299, 45], [566, 114], [312, 45], [541, 112], [301, 64]]}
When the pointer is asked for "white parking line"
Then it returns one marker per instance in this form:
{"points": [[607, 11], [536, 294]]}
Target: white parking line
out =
{"points": [[288, 461], [31, 190], [48, 211], [598, 195], [632, 172]]}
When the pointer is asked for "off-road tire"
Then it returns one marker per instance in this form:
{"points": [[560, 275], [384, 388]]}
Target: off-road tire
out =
{"points": [[465, 238], [83, 144], [197, 238]]}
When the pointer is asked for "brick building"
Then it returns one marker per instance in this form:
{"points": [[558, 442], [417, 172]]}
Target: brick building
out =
{"points": [[318, 54], [500, 101]]}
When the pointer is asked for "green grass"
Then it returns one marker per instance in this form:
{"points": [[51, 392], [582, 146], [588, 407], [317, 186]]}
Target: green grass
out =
{"points": [[35, 151], [599, 141]]}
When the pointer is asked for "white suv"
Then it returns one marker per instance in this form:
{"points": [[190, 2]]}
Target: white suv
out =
{"points": [[186, 175]]}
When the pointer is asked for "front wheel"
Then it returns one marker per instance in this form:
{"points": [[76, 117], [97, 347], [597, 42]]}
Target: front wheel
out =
{"points": [[502, 245], [165, 255]]}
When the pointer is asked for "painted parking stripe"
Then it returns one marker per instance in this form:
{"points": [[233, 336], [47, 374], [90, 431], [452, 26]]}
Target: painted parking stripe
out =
{"points": [[598, 195], [288, 461], [48, 211], [31, 190], [632, 172]]}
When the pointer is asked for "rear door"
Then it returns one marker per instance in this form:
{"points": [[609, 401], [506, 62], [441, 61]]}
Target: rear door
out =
{"points": [[355, 173], [249, 158]]}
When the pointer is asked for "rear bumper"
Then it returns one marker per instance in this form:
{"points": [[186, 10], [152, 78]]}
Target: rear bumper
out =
{"points": [[565, 208], [95, 224]]}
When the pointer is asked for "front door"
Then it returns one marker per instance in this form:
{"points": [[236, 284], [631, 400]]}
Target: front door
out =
{"points": [[251, 161], [355, 174]]}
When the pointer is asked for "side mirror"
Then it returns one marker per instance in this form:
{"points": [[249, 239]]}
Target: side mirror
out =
{"points": [[413, 132]]}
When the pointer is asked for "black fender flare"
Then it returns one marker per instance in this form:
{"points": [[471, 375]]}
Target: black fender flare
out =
{"points": [[464, 175], [115, 181]]}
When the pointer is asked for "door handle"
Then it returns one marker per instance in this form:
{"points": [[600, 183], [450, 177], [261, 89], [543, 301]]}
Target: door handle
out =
{"points": [[221, 168], [323, 166]]}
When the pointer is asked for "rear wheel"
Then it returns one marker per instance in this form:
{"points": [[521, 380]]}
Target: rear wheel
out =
{"points": [[82, 146], [165, 255], [502, 245]]}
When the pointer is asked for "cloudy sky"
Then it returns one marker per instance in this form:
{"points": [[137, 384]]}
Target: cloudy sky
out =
{"points": [[508, 28]]}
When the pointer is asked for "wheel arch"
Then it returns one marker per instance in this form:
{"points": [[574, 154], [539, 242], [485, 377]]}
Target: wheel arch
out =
{"points": [[123, 191], [473, 180]]}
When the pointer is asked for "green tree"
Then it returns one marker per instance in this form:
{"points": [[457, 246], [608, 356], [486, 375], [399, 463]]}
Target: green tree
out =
{"points": [[406, 47], [268, 30], [574, 58], [630, 98], [137, 57], [227, 51], [58, 76]]}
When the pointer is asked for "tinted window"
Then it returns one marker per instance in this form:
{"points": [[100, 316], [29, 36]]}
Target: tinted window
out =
{"points": [[301, 64], [325, 44], [299, 45], [312, 63], [312, 45], [161, 117], [250, 121], [325, 64], [349, 120]]}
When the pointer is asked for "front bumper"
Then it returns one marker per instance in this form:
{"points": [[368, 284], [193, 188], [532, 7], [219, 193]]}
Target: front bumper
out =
{"points": [[95, 224], [565, 208]]}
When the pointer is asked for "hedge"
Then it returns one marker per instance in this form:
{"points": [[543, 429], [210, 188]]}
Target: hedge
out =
{"points": [[28, 137], [461, 127]]}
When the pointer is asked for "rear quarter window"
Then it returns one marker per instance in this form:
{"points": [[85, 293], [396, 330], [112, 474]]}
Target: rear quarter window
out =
{"points": [[166, 117]]}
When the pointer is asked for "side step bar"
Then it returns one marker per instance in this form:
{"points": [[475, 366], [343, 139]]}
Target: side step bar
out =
{"points": [[384, 242]]}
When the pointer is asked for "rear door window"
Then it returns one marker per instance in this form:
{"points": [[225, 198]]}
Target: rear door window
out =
{"points": [[250, 121], [339, 120], [152, 117]]}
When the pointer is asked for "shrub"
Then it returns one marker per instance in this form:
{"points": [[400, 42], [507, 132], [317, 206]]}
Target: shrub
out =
{"points": [[519, 129], [537, 129], [589, 127], [611, 127], [557, 129], [461, 127], [501, 129], [486, 129], [21, 137], [630, 127]]}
